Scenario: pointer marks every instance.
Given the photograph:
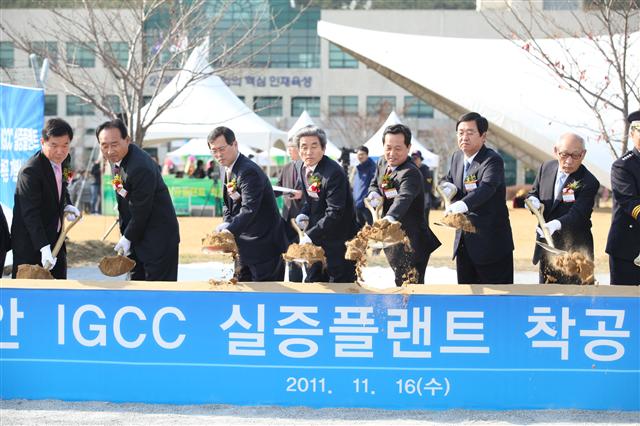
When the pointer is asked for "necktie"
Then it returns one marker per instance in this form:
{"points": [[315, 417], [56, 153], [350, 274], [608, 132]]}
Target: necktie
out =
{"points": [[307, 175], [227, 175], [294, 176], [116, 169], [58, 172], [559, 183], [467, 164]]}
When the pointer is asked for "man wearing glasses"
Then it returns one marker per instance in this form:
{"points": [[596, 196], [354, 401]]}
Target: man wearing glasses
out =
{"points": [[567, 190], [250, 211], [476, 175], [623, 245]]}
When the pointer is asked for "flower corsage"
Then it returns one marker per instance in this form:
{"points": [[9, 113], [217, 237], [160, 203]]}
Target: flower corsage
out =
{"points": [[118, 186], [232, 185], [314, 184], [573, 186], [67, 174], [387, 182]]}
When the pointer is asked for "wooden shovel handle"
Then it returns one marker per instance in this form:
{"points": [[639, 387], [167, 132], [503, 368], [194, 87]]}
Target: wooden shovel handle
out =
{"points": [[375, 213], [297, 228], [63, 234], [538, 214], [447, 200]]}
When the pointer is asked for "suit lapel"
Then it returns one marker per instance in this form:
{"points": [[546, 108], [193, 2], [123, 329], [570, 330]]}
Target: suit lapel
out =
{"points": [[458, 169]]}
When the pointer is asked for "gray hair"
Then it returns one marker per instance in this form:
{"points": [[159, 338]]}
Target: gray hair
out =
{"points": [[575, 136], [311, 131]]}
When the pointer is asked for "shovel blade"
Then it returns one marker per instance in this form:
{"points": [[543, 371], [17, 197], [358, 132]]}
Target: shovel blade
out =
{"points": [[113, 266], [551, 249]]}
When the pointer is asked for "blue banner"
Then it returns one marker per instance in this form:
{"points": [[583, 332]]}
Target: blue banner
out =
{"points": [[321, 350], [21, 120]]}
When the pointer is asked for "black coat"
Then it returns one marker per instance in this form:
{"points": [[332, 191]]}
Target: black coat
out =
{"points": [[408, 206], [487, 206], [624, 235], [254, 219], [332, 215], [37, 210], [291, 207], [147, 216], [575, 217], [5, 239]]}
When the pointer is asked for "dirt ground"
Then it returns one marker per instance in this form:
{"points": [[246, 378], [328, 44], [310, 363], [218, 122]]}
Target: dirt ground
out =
{"points": [[85, 247]]}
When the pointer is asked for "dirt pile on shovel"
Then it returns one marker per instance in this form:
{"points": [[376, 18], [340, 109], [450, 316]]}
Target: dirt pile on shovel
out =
{"points": [[308, 252], [219, 241], [460, 221], [575, 264]]}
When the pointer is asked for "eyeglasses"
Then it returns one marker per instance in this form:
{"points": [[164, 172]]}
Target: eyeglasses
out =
{"points": [[575, 155], [219, 150], [469, 132], [635, 127]]}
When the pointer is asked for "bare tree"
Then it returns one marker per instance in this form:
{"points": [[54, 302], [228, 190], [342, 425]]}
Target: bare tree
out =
{"points": [[141, 45], [607, 25]]}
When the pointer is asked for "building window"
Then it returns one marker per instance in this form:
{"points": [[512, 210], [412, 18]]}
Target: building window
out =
{"points": [[510, 166], [343, 105], [380, 105], [119, 51], [44, 49], [146, 99], [113, 103], [417, 108], [340, 59], [78, 106], [309, 103], [81, 54], [560, 4], [7, 59], [50, 104], [268, 106], [241, 98]]}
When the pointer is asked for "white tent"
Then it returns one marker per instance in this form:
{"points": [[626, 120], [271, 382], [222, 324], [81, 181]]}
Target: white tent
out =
{"points": [[526, 106], [374, 144], [199, 147], [204, 105], [305, 119]]}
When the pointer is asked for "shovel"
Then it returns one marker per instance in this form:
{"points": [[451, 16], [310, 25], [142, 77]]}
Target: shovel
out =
{"points": [[447, 202], [375, 213], [547, 236], [113, 266], [37, 272], [302, 262]]}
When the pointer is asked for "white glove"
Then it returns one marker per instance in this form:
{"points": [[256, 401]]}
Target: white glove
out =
{"points": [[457, 207], [305, 239], [535, 203], [390, 219], [123, 246], [46, 258], [553, 227], [223, 227], [448, 189], [375, 199], [302, 220], [71, 212]]}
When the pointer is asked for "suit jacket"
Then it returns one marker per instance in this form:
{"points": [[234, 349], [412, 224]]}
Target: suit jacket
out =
{"points": [[290, 208], [427, 181], [147, 216], [408, 206], [487, 206], [624, 235], [37, 209], [254, 218], [332, 215], [575, 217]]}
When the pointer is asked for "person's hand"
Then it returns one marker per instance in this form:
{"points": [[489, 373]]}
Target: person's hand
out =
{"points": [[302, 220], [457, 207], [123, 246], [295, 195], [46, 258], [305, 239], [390, 219], [553, 227], [223, 227], [375, 199], [448, 189], [535, 203], [71, 212]]}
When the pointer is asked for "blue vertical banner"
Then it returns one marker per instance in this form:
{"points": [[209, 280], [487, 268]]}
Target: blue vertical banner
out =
{"points": [[21, 119]]}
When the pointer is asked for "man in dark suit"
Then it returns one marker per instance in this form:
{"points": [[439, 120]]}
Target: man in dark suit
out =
{"points": [[328, 214], [41, 200], [250, 211], [5, 239], [623, 244], [398, 185], [148, 223], [427, 180], [477, 173], [292, 202], [567, 190]]}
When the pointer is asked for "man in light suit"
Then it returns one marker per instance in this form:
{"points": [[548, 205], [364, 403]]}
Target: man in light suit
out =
{"points": [[398, 185], [567, 190], [477, 173], [250, 212], [148, 222], [328, 214], [41, 200], [623, 243]]}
